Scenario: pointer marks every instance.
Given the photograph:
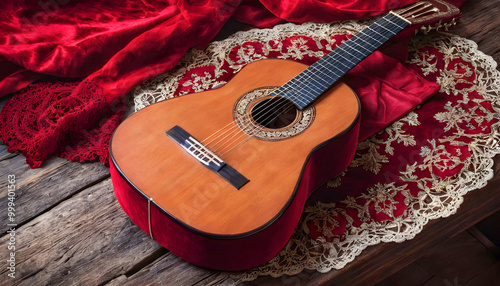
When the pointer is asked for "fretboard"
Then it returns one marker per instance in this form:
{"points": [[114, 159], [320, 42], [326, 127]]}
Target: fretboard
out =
{"points": [[317, 78]]}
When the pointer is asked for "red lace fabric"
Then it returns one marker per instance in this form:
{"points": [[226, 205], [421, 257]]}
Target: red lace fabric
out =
{"points": [[58, 118]]}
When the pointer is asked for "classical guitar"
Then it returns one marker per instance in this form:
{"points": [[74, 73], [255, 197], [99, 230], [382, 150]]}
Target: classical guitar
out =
{"points": [[220, 177]]}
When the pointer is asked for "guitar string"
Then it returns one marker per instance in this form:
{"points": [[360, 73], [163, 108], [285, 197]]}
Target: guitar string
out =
{"points": [[235, 144], [296, 92], [225, 153], [391, 33], [340, 47], [281, 102], [300, 75], [261, 112], [384, 35]]}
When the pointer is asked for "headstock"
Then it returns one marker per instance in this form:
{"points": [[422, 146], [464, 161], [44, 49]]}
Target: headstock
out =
{"points": [[430, 14]]}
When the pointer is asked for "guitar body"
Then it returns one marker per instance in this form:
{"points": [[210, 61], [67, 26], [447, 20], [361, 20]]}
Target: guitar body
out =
{"points": [[193, 211], [220, 177]]}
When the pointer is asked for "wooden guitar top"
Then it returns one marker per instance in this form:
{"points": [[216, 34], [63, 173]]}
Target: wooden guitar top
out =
{"points": [[198, 197]]}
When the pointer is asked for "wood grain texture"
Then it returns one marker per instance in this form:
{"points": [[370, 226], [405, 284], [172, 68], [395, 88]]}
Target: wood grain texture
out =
{"points": [[458, 261], [490, 276], [85, 240], [466, 256], [4, 155], [3, 148], [480, 23], [412, 275], [383, 260], [161, 272], [38, 190]]}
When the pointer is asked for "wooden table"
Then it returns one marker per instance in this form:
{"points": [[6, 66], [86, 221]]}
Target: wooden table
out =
{"points": [[71, 230]]}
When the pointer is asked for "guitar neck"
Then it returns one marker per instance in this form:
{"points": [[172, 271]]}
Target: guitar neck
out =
{"points": [[303, 89]]}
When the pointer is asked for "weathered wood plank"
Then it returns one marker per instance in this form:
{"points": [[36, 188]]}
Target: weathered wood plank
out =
{"points": [[171, 270], [37, 190], [464, 258], [490, 276], [480, 23], [219, 278], [85, 240], [411, 275], [455, 262]]}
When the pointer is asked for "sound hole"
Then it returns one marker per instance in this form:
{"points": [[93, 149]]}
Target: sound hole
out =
{"points": [[274, 112]]}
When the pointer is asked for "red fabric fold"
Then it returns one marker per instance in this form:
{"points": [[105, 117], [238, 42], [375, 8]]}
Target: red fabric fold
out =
{"points": [[106, 48], [14, 77], [387, 91], [268, 12], [116, 46]]}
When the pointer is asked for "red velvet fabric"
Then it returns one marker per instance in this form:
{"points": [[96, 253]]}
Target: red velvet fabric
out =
{"points": [[107, 48], [267, 13], [377, 75], [115, 45]]}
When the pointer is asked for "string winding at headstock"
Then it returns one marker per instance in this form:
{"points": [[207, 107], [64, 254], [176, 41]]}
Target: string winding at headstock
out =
{"points": [[431, 14]]}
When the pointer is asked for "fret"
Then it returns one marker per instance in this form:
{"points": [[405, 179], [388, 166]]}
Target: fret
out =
{"points": [[359, 42], [325, 73], [342, 62], [335, 68], [368, 28], [317, 78], [390, 32], [303, 92], [345, 50], [379, 34], [360, 45], [305, 77], [324, 70], [396, 24], [314, 85]]}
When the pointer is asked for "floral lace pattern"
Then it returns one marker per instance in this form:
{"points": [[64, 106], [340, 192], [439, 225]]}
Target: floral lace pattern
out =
{"points": [[67, 118], [416, 170]]}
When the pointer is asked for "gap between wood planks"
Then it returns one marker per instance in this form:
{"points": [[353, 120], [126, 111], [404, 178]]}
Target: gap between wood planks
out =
{"points": [[40, 190], [48, 209]]}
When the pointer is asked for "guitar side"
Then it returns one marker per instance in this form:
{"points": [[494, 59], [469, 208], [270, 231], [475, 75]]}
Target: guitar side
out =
{"points": [[194, 212]]}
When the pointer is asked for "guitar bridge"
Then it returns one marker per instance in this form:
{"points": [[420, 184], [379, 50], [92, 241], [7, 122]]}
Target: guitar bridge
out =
{"points": [[210, 160]]}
